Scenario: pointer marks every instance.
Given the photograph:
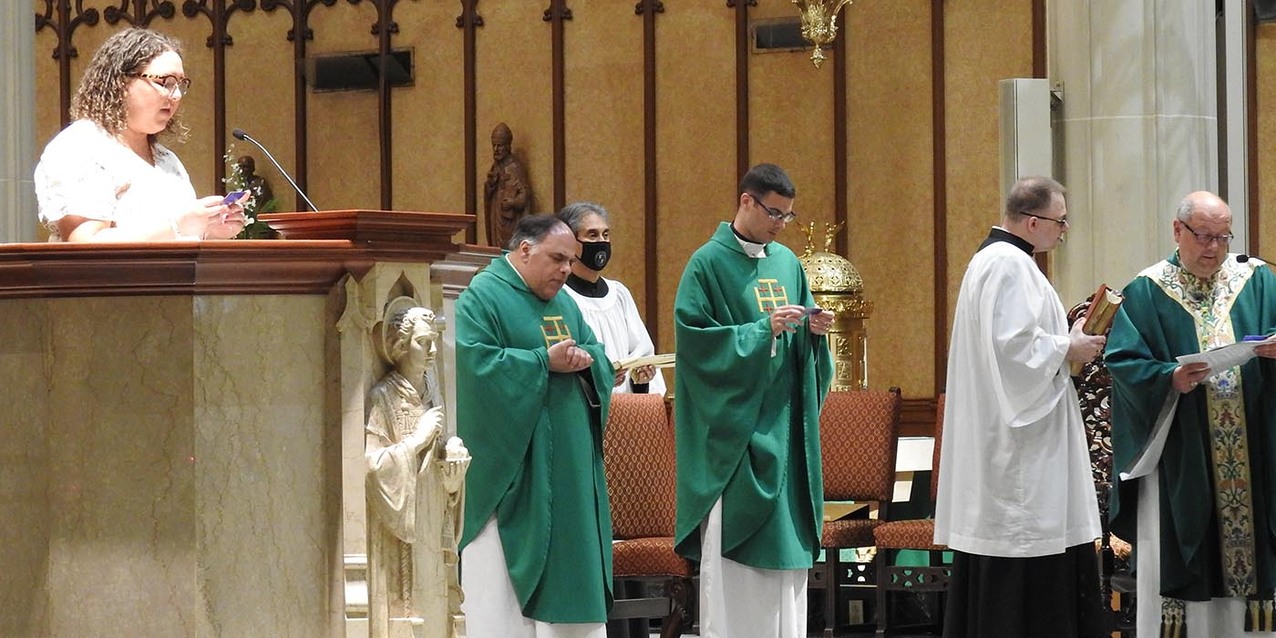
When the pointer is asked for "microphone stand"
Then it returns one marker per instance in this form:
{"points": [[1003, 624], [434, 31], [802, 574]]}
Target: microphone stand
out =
{"points": [[239, 134]]}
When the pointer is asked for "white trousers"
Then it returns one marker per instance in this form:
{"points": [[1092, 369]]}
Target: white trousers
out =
{"points": [[1218, 618], [738, 601], [491, 607]]}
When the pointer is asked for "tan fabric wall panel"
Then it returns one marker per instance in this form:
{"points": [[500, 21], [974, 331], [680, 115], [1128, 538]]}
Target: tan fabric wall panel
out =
{"points": [[47, 119], [604, 128], [429, 136], [259, 98], [891, 187], [977, 56], [791, 124], [696, 125], [342, 127]]}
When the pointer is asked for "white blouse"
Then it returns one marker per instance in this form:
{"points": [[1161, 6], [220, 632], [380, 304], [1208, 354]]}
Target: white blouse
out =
{"points": [[85, 171]]}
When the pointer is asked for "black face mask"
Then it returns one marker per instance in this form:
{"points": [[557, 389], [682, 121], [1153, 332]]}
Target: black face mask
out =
{"points": [[594, 255]]}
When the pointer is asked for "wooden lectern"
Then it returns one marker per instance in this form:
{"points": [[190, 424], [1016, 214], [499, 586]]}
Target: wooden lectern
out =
{"points": [[182, 443]]}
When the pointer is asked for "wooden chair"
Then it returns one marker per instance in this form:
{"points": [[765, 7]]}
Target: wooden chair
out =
{"points": [[858, 434], [638, 459], [911, 534]]}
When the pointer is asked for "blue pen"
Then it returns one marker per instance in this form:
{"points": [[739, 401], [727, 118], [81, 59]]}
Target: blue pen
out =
{"points": [[1256, 338]]}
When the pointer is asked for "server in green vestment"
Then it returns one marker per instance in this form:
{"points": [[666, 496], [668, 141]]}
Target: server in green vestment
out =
{"points": [[753, 370], [532, 398], [1199, 500]]}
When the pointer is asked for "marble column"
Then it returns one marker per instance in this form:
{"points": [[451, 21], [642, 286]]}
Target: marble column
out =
{"points": [[1138, 130], [17, 122]]}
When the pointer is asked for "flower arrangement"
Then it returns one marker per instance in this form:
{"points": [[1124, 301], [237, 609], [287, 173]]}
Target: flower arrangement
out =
{"points": [[262, 201]]}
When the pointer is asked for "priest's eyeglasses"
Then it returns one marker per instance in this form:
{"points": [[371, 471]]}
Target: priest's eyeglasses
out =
{"points": [[168, 83], [1062, 221], [1206, 239], [773, 213]]}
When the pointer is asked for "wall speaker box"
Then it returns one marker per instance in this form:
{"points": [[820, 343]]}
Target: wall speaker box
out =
{"points": [[358, 71], [769, 35], [1026, 139]]}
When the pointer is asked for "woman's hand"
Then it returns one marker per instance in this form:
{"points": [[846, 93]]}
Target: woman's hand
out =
{"points": [[227, 225], [210, 219]]}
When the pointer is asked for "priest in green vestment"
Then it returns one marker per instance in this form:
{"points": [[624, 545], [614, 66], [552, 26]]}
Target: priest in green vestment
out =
{"points": [[1197, 499], [532, 399], [753, 370]]}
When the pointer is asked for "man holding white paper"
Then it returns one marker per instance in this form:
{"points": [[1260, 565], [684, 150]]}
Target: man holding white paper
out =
{"points": [[1196, 446]]}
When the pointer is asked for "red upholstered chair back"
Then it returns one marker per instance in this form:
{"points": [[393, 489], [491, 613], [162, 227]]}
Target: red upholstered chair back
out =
{"points": [[939, 439], [638, 459], [857, 439]]}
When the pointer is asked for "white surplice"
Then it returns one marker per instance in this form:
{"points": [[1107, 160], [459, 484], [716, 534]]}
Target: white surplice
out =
{"points": [[1015, 477], [616, 324]]}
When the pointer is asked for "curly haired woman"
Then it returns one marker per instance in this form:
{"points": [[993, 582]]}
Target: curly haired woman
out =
{"points": [[106, 177]]}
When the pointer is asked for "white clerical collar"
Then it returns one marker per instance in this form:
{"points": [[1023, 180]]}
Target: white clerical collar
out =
{"points": [[752, 249], [516, 272]]}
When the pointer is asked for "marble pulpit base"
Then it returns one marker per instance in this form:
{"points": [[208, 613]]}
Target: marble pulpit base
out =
{"points": [[163, 463]]}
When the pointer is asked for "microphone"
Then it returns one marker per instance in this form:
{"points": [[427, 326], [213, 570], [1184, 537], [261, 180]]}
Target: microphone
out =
{"points": [[239, 134], [1244, 258]]}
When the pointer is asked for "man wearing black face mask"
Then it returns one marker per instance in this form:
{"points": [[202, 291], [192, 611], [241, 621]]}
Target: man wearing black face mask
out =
{"points": [[607, 305]]}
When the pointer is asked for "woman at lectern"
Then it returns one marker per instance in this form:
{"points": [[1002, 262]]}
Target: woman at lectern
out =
{"points": [[106, 177]]}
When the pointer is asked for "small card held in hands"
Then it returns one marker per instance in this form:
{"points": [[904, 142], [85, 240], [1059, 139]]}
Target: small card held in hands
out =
{"points": [[233, 197]]}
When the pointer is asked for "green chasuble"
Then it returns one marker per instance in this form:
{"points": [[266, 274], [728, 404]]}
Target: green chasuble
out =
{"points": [[536, 443], [1218, 468], [748, 407]]}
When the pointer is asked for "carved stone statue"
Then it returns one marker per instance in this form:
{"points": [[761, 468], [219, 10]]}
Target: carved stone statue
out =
{"points": [[415, 487], [506, 193], [254, 182]]}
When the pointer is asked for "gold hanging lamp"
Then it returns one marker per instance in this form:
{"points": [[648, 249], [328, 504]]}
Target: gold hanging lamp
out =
{"points": [[819, 24]]}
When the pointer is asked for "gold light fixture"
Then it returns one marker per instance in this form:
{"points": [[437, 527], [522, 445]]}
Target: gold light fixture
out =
{"points": [[819, 24]]}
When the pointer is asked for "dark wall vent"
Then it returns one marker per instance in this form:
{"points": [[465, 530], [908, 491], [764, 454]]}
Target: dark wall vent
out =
{"points": [[358, 71], [1265, 10], [777, 34]]}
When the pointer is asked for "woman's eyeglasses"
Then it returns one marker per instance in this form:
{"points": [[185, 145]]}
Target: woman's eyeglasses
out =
{"points": [[170, 84]]}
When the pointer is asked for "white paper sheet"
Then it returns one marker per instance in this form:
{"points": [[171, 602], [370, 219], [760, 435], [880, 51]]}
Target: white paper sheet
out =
{"points": [[1224, 357]]}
